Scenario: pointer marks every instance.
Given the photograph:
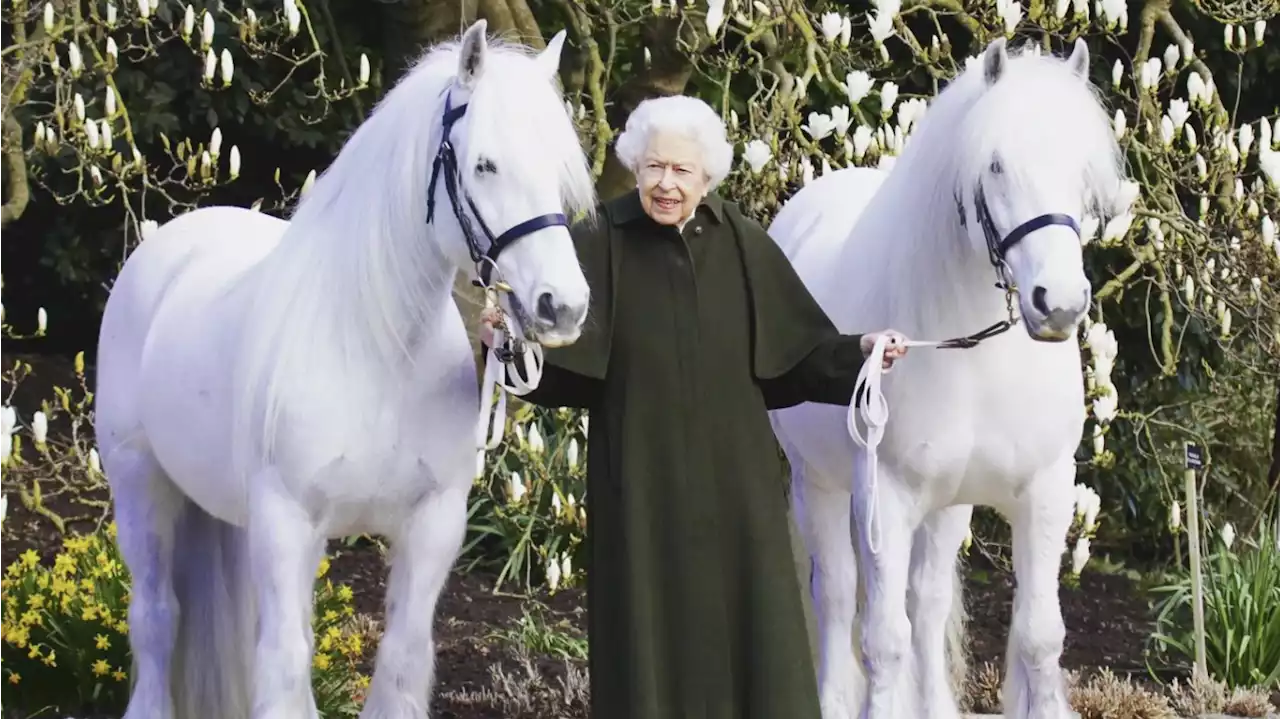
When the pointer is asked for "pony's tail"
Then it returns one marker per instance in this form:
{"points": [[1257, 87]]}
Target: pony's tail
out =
{"points": [[956, 643], [213, 649]]}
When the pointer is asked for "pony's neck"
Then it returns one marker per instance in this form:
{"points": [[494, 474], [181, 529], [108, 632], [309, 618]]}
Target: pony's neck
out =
{"points": [[359, 264]]}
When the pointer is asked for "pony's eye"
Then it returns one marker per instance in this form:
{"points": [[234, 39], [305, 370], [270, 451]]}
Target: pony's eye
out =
{"points": [[486, 167], [996, 167]]}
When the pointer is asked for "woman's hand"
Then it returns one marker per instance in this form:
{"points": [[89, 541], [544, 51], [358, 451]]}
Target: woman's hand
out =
{"points": [[894, 349], [489, 316]]}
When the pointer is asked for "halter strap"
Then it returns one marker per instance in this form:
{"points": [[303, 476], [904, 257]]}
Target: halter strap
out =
{"points": [[446, 164]]}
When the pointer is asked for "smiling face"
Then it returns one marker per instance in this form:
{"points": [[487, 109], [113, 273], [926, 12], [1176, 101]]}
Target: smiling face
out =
{"points": [[671, 178]]}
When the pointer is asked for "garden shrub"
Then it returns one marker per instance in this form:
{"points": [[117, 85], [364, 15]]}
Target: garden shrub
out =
{"points": [[66, 644]]}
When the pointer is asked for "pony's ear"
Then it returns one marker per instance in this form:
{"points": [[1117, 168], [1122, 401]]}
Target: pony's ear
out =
{"points": [[471, 58], [1079, 60], [994, 60], [549, 59]]}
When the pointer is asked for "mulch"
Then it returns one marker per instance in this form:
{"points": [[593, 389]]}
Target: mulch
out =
{"points": [[1107, 616]]}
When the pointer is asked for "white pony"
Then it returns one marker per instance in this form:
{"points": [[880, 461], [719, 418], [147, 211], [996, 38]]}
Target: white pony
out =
{"points": [[265, 385], [990, 188]]}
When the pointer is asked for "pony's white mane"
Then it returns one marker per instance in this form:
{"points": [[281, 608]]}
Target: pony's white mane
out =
{"points": [[359, 279], [1046, 124]]}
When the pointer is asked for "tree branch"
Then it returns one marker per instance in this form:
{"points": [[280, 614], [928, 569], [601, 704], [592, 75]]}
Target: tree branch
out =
{"points": [[15, 161]]}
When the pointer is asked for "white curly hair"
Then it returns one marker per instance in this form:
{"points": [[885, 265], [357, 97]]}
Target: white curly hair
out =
{"points": [[679, 114]]}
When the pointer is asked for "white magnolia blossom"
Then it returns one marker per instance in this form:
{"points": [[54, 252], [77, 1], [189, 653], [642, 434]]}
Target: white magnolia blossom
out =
{"points": [[1119, 124], [1179, 112], [888, 96], [861, 141], [1228, 535], [113, 52], [1175, 516], [1171, 57], [1088, 504], [715, 16], [109, 105], [95, 461], [553, 574], [105, 131], [188, 22], [831, 23], [1010, 12], [210, 65], [1259, 29], [235, 162], [757, 154], [1117, 74], [841, 120], [1151, 70], [228, 67], [91, 135], [572, 456], [48, 17], [292, 16], [39, 428], [1245, 133], [364, 69], [206, 30], [75, 63], [215, 142], [1080, 555], [515, 488], [1060, 8], [536, 445], [818, 126], [566, 566], [1268, 230], [1167, 131], [857, 84]]}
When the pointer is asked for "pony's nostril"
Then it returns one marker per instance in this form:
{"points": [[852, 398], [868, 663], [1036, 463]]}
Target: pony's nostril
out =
{"points": [[1038, 301], [546, 308]]}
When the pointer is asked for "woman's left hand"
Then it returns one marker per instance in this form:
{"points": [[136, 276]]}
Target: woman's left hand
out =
{"points": [[895, 348]]}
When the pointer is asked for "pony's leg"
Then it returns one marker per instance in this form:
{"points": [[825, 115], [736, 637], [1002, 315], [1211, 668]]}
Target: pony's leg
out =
{"points": [[884, 555], [932, 602], [422, 555], [1034, 686], [147, 507], [823, 516], [285, 548]]}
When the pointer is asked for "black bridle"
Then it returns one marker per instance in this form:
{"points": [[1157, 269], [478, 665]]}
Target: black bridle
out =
{"points": [[447, 161], [997, 251]]}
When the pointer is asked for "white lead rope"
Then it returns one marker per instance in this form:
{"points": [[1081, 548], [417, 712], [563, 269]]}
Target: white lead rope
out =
{"points": [[504, 377], [874, 412]]}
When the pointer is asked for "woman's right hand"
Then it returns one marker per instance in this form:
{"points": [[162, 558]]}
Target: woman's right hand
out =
{"points": [[489, 317]]}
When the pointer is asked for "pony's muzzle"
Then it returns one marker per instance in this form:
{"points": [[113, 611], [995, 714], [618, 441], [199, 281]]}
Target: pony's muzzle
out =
{"points": [[555, 322], [1055, 316]]}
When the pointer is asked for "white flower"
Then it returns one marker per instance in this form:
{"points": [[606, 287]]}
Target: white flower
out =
{"points": [[91, 134], [1228, 535], [1099, 440], [308, 182], [846, 29], [1151, 73], [1268, 230], [831, 23], [228, 67], [1259, 29], [535, 439], [1010, 11], [1175, 516], [206, 30], [1171, 57], [840, 118], [1117, 227], [1166, 131], [1119, 124], [1245, 134], [819, 126], [888, 96], [110, 104], [1117, 74], [1224, 318], [42, 320], [75, 62], [4, 501], [39, 428], [556, 506], [111, 14], [1079, 556], [553, 574], [105, 131], [292, 16], [1179, 111], [715, 16], [112, 51], [1114, 11], [1189, 290], [210, 65], [364, 69], [48, 17], [8, 420], [95, 462], [880, 26], [215, 142], [757, 154], [1202, 167], [861, 141], [856, 85], [1228, 35], [1060, 8], [572, 456], [188, 22], [585, 424], [566, 566], [1105, 407], [515, 488]]}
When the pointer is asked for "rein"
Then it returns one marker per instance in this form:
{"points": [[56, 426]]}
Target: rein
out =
{"points": [[874, 410], [508, 341]]}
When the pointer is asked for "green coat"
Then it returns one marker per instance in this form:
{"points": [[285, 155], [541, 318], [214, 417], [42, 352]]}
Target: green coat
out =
{"points": [[694, 610]]}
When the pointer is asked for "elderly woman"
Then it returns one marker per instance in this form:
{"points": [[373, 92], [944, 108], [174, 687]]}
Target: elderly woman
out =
{"points": [[698, 326]]}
